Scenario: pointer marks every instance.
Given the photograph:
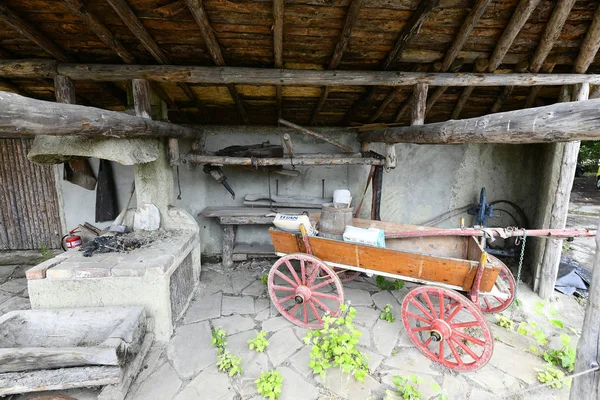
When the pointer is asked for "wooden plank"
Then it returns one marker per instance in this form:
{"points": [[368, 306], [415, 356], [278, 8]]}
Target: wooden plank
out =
{"points": [[261, 162], [228, 245], [555, 123], [22, 117], [29, 31], [419, 100], [315, 134], [254, 249], [305, 77], [103, 33], [246, 220], [590, 45], [58, 379], [418, 266], [236, 211], [15, 360]]}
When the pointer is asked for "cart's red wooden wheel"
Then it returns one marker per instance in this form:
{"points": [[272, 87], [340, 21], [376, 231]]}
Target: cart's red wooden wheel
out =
{"points": [[505, 283], [346, 275], [447, 327], [304, 289]]}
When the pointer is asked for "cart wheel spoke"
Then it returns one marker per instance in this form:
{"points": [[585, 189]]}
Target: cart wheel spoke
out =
{"points": [[441, 350], [305, 313], [320, 285], [506, 284], [313, 275], [285, 278], [322, 306], [426, 343], [465, 348], [281, 301], [470, 324], [456, 311], [422, 309], [284, 288], [312, 306], [469, 338], [418, 317], [487, 302], [293, 272], [455, 354], [441, 300], [326, 296], [303, 271], [292, 312], [421, 329]]}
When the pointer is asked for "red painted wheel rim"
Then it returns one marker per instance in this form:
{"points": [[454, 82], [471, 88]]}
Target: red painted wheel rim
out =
{"points": [[346, 275], [455, 335], [304, 289], [507, 284]]}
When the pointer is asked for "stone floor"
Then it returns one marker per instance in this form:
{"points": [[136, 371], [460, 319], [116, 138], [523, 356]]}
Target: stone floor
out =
{"points": [[13, 288], [185, 369]]}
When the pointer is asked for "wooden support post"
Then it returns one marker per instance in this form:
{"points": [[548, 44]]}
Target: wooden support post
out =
{"points": [[419, 101], [588, 348], [64, 90], [173, 151], [287, 140], [228, 245], [315, 134]]}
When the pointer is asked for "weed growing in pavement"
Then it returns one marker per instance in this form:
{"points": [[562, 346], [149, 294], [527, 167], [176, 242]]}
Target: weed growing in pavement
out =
{"points": [[505, 323], [229, 363], [264, 279], [269, 384], [335, 345], [386, 314], [219, 339], [46, 252], [549, 374], [564, 357], [384, 284], [532, 330], [259, 343], [407, 387]]}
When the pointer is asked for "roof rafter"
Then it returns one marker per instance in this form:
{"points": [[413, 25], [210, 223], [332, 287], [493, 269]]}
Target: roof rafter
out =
{"points": [[199, 14], [410, 29], [590, 45], [139, 31], [278, 7], [507, 91], [340, 47], [480, 66]]}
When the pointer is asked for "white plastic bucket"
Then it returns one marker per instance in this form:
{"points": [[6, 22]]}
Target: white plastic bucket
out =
{"points": [[342, 198]]}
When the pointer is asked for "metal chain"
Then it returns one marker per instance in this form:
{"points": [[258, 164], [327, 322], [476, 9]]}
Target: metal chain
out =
{"points": [[520, 264]]}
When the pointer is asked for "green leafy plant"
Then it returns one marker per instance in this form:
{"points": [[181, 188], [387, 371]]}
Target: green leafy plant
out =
{"points": [[264, 279], [386, 314], [441, 395], [46, 252], [335, 345], [384, 284], [551, 374], [229, 363], [269, 384], [539, 307], [219, 339], [259, 343], [532, 330], [407, 387], [564, 357], [505, 323]]}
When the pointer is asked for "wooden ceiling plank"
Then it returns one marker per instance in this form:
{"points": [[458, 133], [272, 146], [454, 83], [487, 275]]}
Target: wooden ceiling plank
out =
{"points": [[29, 31], [536, 90], [139, 31], [340, 47], [103, 33], [455, 66], [392, 95], [278, 9], [507, 91], [199, 14], [480, 66], [590, 45]]}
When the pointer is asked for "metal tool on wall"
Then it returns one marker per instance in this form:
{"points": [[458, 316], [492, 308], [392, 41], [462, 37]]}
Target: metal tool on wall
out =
{"points": [[219, 176]]}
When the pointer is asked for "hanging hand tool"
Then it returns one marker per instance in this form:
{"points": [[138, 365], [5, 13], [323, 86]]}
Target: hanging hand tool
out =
{"points": [[217, 174]]}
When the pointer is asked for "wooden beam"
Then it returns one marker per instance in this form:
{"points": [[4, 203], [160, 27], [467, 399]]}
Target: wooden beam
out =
{"points": [[518, 19], [410, 29], [588, 347], [30, 32], [535, 90], [12, 87], [403, 108], [103, 33], [278, 7], [141, 98], [480, 66], [419, 100], [199, 14], [139, 31], [64, 90], [551, 33], [22, 117], [315, 134], [439, 91], [285, 77], [392, 95], [595, 92], [465, 32], [556, 123], [252, 161], [590, 45], [507, 91], [340, 47]]}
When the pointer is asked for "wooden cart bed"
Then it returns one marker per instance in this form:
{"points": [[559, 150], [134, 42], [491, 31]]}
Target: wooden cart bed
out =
{"points": [[456, 273]]}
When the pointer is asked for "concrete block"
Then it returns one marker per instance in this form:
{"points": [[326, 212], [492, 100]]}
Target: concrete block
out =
{"points": [[129, 270], [92, 272], [63, 270], [39, 271]]}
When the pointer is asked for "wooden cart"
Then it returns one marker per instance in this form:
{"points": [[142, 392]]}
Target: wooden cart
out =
{"points": [[448, 327]]}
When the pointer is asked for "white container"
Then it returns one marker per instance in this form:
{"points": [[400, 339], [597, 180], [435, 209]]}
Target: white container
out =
{"points": [[371, 236], [291, 223], [342, 198]]}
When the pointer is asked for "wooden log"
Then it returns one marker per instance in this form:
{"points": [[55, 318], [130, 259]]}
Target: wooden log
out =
{"points": [[386, 102], [480, 66], [199, 14], [286, 77], [403, 108], [535, 91], [22, 117], [555, 123], [507, 91], [29, 31], [103, 33], [590, 45], [228, 245], [551, 33], [315, 134], [278, 7], [340, 47], [141, 98], [419, 100], [262, 162], [588, 348], [518, 19], [287, 140], [58, 379], [15, 360], [12, 87], [465, 31], [595, 92], [28, 68], [173, 151], [409, 30], [439, 91], [64, 90]]}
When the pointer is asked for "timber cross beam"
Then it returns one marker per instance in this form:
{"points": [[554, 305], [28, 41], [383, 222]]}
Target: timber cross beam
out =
{"points": [[273, 76]]}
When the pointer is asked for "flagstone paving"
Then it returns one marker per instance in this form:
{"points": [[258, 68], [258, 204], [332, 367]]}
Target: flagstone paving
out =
{"points": [[185, 368]]}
